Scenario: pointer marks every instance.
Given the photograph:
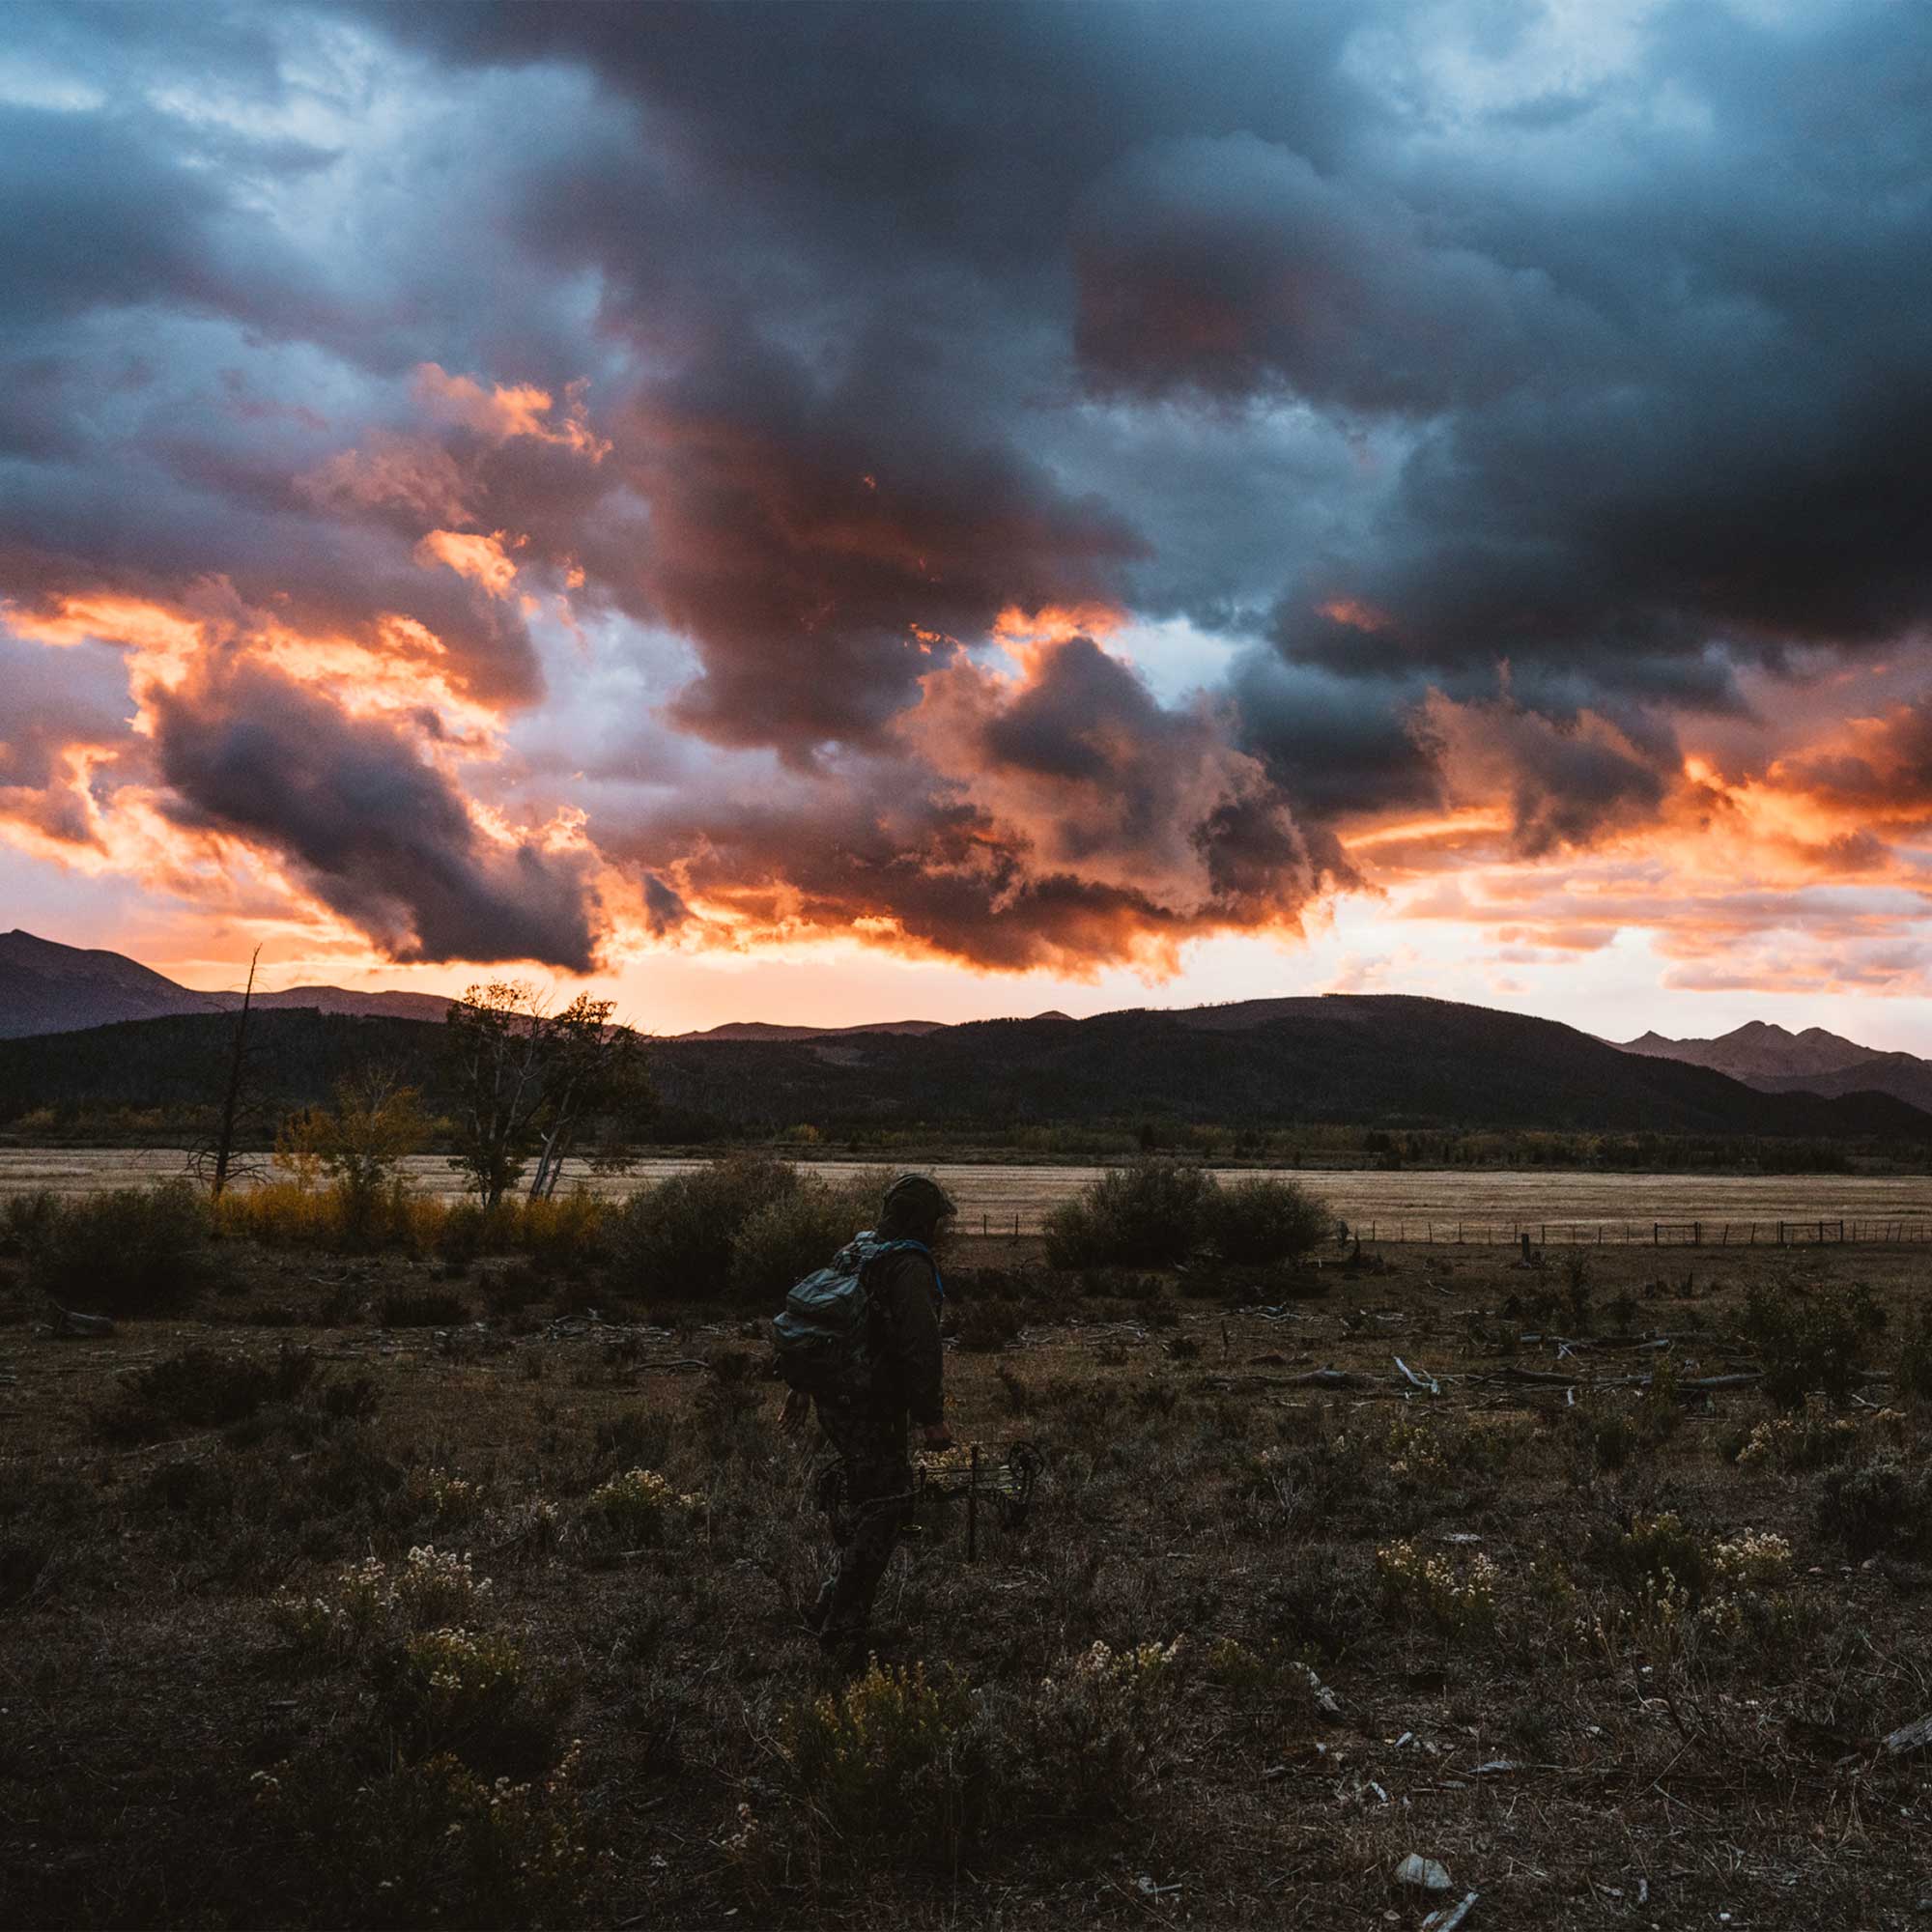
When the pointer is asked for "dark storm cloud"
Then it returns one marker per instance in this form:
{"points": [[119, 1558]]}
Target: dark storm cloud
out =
{"points": [[824, 550], [379, 835], [1564, 783], [1663, 394], [1233, 266], [1495, 437]]}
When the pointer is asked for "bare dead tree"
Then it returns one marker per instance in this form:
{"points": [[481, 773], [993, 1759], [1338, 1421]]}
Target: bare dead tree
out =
{"points": [[224, 1143]]}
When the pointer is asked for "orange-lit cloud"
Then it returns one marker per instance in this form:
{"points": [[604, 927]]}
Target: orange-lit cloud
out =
{"points": [[503, 410], [482, 558]]}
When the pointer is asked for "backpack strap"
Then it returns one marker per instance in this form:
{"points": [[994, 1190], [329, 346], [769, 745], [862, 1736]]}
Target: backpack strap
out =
{"points": [[880, 1249]]}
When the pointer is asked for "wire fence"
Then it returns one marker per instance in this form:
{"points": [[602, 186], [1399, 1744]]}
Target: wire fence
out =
{"points": [[1828, 1232]]}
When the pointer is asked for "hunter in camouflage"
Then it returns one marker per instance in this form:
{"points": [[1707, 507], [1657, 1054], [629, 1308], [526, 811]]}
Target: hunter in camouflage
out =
{"points": [[867, 1426]]}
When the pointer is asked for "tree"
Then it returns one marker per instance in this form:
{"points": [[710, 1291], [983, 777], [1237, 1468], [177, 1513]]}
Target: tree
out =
{"points": [[358, 1142], [532, 1083]]}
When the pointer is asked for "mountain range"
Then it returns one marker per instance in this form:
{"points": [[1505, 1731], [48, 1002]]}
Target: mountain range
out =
{"points": [[82, 1027], [46, 987], [1776, 1061]]}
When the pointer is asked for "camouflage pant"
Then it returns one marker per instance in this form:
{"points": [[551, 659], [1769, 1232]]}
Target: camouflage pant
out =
{"points": [[871, 1446]]}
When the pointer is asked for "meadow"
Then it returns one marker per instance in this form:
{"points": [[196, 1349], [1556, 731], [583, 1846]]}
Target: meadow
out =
{"points": [[394, 1584], [992, 1193]]}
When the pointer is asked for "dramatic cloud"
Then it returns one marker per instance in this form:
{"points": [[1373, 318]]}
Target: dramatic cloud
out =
{"points": [[1026, 485], [368, 826]]}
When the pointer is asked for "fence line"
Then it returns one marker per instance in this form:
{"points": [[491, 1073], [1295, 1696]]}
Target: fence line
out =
{"points": [[1832, 1231]]}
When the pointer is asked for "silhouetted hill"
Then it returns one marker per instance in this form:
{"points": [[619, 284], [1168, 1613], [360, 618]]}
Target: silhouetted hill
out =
{"points": [[1374, 1061], [49, 988], [178, 1063], [1903, 1075], [46, 987], [1386, 1059]]}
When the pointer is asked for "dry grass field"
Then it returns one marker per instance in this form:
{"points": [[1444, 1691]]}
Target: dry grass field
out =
{"points": [[991, 1194], [1612, 1652]]}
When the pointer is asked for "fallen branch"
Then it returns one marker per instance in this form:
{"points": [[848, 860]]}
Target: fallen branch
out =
{"points": [[1915, 1736]]}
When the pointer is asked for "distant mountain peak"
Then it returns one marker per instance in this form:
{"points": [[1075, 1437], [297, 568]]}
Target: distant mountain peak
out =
{"points": [[1765, 1055], [47, 987]]}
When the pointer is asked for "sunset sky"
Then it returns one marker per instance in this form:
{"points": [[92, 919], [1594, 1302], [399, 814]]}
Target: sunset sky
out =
{"points": [[824, 514]]}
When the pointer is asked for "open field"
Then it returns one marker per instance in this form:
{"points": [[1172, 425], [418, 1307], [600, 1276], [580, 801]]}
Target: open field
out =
{"points": [[1613, 1655], [1412, 1200]]}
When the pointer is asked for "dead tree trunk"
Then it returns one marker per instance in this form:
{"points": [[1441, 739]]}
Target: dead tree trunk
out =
{"points": [[224, 1146]]}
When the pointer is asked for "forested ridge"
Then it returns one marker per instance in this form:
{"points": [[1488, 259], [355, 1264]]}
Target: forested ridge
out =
{"points": [[1385, 1061]]}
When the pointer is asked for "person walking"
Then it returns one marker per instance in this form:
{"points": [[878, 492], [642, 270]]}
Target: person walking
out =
{"points": [[867, 1421]]}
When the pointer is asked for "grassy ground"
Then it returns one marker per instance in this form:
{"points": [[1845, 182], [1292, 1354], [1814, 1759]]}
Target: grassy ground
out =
{"points": [[1621, 1659]]}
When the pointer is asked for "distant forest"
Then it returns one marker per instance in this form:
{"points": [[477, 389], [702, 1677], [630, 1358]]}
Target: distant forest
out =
{"points": [[1390, 1079]]}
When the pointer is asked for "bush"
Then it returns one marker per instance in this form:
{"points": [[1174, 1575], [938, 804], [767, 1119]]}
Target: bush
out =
{"points": [[1811, 1341], [468, 1694], [1088, 1741], [1655, 1553], [133, 1251], [1150, 1214], [1257, 1221], [987, 1326], [1458, 1599], [27, 1219], [565, 1234], [636, 1510], [677, 1239], [798, 1231], [1915, 1359], [1873, 1506], [430, 1843], [287, 1214], [374, 1603], [199, 1388], [890, 1758]]}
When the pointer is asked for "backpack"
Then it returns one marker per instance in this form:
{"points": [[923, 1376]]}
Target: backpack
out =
{"points": [[823, 1338]]}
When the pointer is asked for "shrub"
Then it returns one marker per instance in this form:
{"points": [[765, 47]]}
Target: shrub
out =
{"points": [[373, 1603], [636, 1510], [131, 1251], [1455, 1599], [565, 1234], [1149, 1214], [676, 1238], [1656, 1553], [1256, 1222], [1870, 1507], [1089, 1738], [27, 1219], [891, 1757], [1809, 1439], [199, 1388], [1810, 1342], [987, 1326], [430, 1843], [453, 1690], [796, 1231], [1915, 1358], [359, 1142]]}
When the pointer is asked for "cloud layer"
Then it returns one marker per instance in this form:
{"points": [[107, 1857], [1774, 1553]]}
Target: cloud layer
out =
{"points": [[541, 482]]}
